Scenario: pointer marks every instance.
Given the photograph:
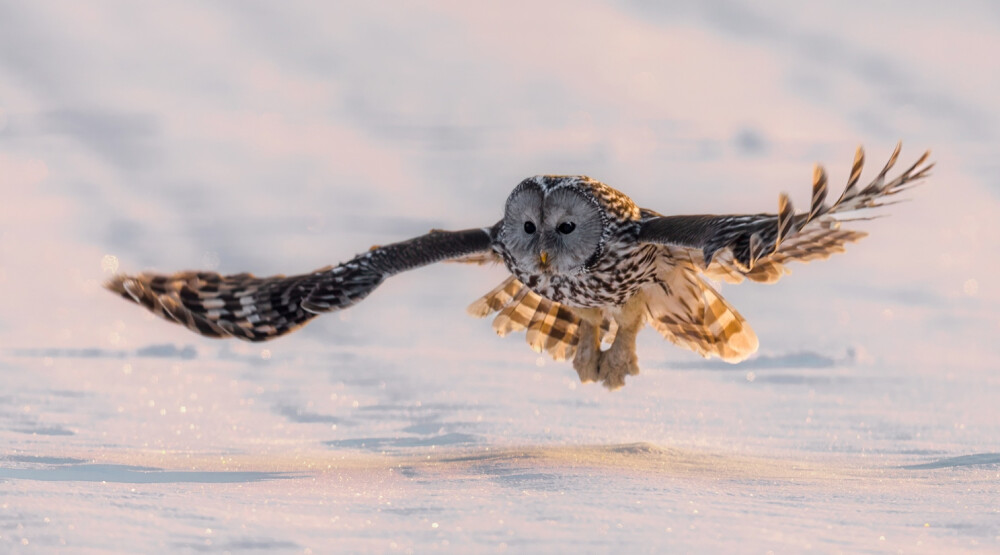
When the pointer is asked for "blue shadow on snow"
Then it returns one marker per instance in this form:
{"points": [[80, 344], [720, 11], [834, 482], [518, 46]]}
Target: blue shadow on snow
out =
{"points": [[126, 474], [964, 460]]}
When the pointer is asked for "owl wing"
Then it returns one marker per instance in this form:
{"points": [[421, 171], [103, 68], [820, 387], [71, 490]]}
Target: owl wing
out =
{"points": [[757, 246], [550, 326], [686, 310], [258, 309]]}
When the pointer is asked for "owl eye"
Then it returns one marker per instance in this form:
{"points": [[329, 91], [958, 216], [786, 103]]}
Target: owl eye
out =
{"points": [[529, 227], [566, 228]]}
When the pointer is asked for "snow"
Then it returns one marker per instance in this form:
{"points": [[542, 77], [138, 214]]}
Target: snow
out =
{"points": [[160, 454], [281, 141]]}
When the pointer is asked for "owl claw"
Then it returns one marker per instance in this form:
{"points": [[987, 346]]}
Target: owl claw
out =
{"points": [[615, 365]]}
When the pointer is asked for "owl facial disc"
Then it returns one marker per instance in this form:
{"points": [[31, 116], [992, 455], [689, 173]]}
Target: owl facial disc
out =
{"points": [[551, 227]]}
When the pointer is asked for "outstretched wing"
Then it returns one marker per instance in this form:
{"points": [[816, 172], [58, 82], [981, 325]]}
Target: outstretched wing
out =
{"points": [[756, 246], [551, 327], [258, 309]]}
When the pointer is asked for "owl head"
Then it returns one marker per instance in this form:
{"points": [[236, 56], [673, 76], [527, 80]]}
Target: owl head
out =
{"points": [[554, 225]]}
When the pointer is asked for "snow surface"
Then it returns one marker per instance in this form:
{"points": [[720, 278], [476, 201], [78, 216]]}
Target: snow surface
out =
{"points": [[239, 137]]}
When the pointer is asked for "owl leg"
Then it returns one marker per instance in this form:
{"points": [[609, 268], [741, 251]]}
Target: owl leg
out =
{"points": [[588, 347], [621, 360]]}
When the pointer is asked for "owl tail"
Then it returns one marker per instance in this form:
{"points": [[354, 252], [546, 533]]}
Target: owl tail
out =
{"points": [[690, 313], [550, 326]]}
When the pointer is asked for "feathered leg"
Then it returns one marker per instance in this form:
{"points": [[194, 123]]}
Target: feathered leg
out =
{"points": [[588, 348], [621, 360]]}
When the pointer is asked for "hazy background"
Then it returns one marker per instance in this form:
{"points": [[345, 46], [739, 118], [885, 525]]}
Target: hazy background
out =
{"points": [[248, 136]]}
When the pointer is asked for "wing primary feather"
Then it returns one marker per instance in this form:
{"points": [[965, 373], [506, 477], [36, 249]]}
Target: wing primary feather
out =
{"points": [[879, 182], [756, 247], [785, 218], [817, 205], [856, 167]]}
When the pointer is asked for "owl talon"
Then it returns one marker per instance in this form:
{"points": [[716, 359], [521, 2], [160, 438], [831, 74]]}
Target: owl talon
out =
{"points": [[614, 381], [615, 365]]}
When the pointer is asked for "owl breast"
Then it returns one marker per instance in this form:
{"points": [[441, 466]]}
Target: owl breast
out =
{"points": [[616, 277]]}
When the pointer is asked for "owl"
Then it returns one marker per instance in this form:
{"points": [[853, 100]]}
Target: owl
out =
{"points": [[588, 269]]}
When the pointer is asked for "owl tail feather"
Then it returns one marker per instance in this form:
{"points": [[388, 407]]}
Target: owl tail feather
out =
{"points": [[691, 314]]}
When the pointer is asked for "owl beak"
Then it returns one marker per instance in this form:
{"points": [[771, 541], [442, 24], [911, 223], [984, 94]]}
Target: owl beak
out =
{"points": [[544, 257]]}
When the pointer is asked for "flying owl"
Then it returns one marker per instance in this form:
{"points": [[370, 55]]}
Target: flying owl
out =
{"points": [[588, 267]]}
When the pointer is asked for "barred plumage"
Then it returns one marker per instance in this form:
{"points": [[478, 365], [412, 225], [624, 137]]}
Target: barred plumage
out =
{"points": [[588, 267], [239, 305], [551, 327]]}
